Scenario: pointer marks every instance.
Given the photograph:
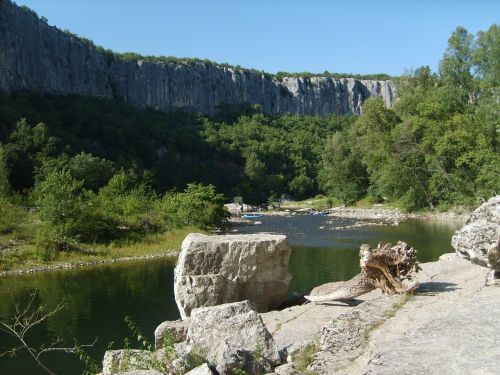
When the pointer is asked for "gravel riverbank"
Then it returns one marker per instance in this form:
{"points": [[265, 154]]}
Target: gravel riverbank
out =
{"points": [[67, 266]]}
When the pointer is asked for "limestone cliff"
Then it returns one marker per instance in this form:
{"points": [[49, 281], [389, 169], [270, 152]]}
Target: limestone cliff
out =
{"points": [[37, 57]]}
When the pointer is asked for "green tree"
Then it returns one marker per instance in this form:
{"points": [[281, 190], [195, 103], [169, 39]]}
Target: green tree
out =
{"points": [[4, 174], [26, 149], [455, 67], [95, 172], [486, 57], [342, 174]]}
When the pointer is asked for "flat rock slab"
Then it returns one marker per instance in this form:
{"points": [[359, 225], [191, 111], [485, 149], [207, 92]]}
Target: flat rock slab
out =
{"points": [[304, 323], [452, 326]]}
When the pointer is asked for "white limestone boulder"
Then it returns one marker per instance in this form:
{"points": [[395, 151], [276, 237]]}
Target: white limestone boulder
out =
{"points": [[213, 270]]}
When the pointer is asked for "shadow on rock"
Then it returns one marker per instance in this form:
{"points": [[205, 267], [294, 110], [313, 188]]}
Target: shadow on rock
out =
{"points": [[434, 287]]}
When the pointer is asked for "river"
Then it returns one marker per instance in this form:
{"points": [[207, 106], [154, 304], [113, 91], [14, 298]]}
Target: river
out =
{"points": [[98, 298]]}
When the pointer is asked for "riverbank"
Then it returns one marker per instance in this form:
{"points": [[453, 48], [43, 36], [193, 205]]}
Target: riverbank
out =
{"points": [[390, 330], [24, 259], [21, 258]]}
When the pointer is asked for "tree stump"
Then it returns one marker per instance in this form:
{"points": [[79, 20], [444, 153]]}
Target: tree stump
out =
{"points": [[392, 269]]}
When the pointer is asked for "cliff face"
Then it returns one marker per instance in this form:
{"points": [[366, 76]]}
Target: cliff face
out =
{"points": [[37, 57]]}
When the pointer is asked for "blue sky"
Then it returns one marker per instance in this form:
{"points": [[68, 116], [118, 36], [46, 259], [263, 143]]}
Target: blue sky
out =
{"points": [[290, 35]]}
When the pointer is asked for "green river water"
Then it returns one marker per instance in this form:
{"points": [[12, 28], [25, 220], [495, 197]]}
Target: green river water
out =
{"points": [[98, 298]]}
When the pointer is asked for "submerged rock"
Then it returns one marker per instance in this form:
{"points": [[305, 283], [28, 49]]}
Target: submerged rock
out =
{"points": [[213, 270], [233, 336], [479, 239]]}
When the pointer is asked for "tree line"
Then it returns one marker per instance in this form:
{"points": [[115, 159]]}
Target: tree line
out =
{"points": [[438, 147]]}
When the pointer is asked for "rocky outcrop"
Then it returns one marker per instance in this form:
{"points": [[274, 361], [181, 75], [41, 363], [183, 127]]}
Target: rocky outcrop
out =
{"points": [[213, 270], [479, 239], [37, 57], [233, 336]]}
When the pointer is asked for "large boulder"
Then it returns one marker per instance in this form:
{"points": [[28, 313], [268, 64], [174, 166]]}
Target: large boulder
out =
{"points": [[213, 270], [233, 336], [479, 239]]}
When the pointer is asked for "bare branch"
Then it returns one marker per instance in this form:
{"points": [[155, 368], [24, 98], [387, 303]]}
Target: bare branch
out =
{"points": [[24, 320]]}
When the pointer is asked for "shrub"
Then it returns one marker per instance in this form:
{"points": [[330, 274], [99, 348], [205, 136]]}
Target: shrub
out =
{"points": [[199, 205], [70, 210], [11, 217], [50, 241]]}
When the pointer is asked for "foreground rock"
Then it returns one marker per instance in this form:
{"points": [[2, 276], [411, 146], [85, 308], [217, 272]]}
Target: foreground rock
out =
{"points": [[233, 336], [204, 369], [479, 239], [172, 332], [213, 270], [130, 361], [450, 327]]}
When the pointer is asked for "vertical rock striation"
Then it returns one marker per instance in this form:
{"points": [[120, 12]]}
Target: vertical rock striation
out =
{"points": [[37, 57]]}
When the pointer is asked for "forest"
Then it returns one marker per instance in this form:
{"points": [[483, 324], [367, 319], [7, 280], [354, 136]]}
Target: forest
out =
{"points": [[79, 170]]}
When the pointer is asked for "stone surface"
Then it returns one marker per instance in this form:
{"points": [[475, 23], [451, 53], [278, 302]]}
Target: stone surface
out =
{"points": [[229, 334], [479, 239], [177, 330], [449, 327], [141, 372], [116, 361], [37, 57], [212, 270], [204, 369]]}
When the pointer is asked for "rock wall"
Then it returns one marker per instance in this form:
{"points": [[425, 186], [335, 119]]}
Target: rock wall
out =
{"points": [[37, 57]]}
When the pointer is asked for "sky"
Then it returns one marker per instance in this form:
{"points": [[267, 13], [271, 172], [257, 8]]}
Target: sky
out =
{"points": [[360, 37]]}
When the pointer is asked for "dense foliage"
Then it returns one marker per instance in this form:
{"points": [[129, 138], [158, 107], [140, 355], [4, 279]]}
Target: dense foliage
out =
{"points": [[241, 151], [438, 146], [98, 171]]}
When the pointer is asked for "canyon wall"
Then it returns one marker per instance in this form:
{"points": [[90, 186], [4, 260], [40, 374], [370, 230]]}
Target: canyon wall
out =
{"points": [[41, 58]]}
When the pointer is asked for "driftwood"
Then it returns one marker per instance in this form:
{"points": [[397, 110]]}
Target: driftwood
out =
{"points": [[391, 269]]}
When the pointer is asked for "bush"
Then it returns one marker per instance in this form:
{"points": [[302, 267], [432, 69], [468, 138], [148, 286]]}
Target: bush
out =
{"points": [[199, 205], [50, 241], [11, 217], [70, 210]]}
